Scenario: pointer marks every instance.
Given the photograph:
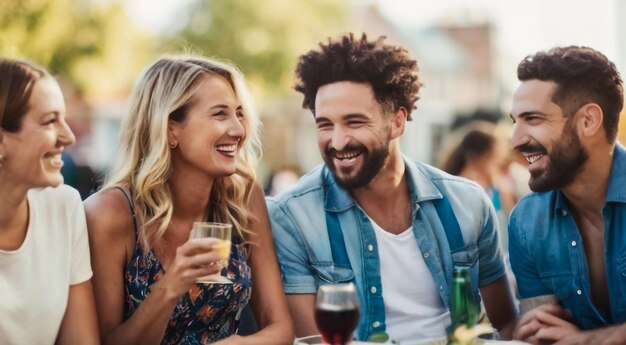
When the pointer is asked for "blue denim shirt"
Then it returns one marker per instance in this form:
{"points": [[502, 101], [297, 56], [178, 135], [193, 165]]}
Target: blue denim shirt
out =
{"points": [[304, 251], [547, 254]]}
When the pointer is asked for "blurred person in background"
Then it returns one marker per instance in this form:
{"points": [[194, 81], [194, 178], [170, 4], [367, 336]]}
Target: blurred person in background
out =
{"points": [[188, 152], [281, 179], [567, 240], [394, 227], [45, 270], [477, 152]]}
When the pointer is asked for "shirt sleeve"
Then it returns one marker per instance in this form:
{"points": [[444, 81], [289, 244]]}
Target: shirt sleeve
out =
{"points": [[296, 271], [490, 256], [528, 282], [80, 266]]}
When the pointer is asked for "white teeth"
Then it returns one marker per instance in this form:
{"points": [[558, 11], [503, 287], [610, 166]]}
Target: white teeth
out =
{"points": [[533, 158], [56, 161], [347, 155], [227, 148]]}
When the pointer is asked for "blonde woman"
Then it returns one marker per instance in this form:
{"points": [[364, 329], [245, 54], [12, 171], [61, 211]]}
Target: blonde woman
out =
{"points": [[188, 151], [45, 288]]}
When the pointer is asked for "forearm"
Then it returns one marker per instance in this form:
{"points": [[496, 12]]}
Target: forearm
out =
{"points": [[609, 335], [506, 330], [148, 323]]}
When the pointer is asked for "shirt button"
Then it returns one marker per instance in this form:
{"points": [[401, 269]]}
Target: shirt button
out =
{"points": [[370, 247], [563, 212], [579, 292], [440, 287], [573, 243], [376, 324], [373, 290], [426, 255]]}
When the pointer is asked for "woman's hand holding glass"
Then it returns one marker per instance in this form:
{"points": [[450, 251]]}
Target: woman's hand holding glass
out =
{"points": [[196, 258]]}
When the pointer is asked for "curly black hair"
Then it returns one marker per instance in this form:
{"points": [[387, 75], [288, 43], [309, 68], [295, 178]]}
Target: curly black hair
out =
{"points": [[583, 75], [389, 69]]}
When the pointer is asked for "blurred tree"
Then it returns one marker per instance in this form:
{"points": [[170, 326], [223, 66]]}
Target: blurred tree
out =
{"points": [[263, 37], [95, 46]]}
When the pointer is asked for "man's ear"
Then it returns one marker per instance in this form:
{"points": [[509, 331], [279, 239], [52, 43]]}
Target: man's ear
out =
{"points": [[398, 122], [590, 120]]}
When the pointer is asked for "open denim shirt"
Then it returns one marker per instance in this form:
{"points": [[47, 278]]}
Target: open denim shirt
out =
{"points": [[304, 250], [548, 257]]}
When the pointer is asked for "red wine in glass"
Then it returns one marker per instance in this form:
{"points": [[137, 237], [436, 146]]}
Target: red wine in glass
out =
{"points": [[336, 326], [336, 313]]}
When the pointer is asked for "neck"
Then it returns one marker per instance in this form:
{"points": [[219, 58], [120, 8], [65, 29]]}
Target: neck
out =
{"points": [[13, 213], [587, 193], [191, 193]]}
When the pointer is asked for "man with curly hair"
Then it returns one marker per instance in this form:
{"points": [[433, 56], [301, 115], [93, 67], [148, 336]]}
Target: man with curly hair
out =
{"points": [[567, 240], [394, 227]]}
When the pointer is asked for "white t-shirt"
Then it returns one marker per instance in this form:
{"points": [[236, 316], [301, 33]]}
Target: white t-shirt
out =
{"points": [[35, 279], [414, 312]]}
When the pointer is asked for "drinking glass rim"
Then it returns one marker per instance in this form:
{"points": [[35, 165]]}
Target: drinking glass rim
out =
{"points": [[341, 287], [213, 224]]}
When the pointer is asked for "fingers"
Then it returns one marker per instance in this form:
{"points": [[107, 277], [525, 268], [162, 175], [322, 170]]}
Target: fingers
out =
{"points": [[553, 333], [552, 320], [534, 320], [196, 245], [527, 330]]}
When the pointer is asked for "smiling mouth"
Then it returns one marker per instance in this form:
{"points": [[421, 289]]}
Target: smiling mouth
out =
{"points": [[347, 155], [229, 150], [533, 158], [54, 159]]}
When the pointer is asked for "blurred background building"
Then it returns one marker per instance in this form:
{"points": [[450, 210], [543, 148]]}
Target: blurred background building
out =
{"points": [[467, 52]]}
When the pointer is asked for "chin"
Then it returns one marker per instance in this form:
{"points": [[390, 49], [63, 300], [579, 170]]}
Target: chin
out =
{"points": [[52, 181]]}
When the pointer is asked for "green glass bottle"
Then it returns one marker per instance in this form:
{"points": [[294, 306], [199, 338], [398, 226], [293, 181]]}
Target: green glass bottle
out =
{"points": [[463, 309]]}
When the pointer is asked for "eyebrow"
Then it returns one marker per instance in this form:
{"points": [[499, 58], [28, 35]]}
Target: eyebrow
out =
{"points": [[344, 117], [224, 106], [526, 113]]}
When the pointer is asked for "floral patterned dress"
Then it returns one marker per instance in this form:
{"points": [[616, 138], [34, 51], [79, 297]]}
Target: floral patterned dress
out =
{"points": [[204, 314]]}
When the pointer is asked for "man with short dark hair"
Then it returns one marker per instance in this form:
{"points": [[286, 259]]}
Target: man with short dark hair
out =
{"points": [[394, 227], [567, 241]]}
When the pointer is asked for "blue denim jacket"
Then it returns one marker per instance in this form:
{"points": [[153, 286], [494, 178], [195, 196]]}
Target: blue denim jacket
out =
{"points": [[304, 250], [547, 254]]}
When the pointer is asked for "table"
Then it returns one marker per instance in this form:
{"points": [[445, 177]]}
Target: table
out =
{"points": [[317, 340]]}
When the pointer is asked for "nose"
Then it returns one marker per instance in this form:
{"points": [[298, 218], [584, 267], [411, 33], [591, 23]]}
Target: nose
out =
{"points": [[517, 136], [236, 129], [65, 135], [339, 139]]}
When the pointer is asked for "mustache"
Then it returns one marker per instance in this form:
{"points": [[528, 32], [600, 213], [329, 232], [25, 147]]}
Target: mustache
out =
{"points": [[530, 148], [350, 147]]}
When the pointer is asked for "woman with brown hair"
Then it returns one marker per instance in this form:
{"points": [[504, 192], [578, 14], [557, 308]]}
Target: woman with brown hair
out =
{"points": [[45, 271]]}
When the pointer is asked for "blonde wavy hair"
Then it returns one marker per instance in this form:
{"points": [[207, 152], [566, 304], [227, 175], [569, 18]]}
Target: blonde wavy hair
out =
{"points": [[144, 162]]}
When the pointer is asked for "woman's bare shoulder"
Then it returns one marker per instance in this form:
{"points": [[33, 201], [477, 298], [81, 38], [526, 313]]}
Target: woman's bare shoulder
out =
{"points": [[108, 211]]}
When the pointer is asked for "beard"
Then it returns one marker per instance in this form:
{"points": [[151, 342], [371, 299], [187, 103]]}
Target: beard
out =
{"points": [[373, 162], [566, 161]]}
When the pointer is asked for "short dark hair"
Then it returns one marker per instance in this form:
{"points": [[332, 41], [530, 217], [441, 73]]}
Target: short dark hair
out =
{"points": [[389, 69], [17, 79], [470, 142], [583, 75]]}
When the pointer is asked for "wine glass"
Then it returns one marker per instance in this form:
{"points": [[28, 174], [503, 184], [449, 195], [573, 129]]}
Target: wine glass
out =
{"points": [[222, 232], [337, 313]]}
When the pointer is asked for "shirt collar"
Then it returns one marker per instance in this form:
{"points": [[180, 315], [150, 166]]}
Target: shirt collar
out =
{"points": [[617, 181], [421, 188]]}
